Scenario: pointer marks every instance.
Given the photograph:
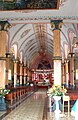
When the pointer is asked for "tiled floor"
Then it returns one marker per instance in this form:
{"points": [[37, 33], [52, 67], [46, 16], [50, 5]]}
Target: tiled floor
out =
{"points": [[53, 116], [35, 108]]}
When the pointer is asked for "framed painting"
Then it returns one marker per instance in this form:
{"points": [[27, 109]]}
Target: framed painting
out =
{"points": [[28, 4]]}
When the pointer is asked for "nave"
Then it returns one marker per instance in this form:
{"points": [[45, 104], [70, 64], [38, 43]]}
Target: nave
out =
{"points": [[34, 107]]}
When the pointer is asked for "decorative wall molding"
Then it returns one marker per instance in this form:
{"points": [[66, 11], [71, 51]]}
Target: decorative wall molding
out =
{"points": [[39, 18]]}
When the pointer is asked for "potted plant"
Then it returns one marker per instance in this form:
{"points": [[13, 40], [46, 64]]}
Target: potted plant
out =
{"points": [[3, 92], [56, 92]]}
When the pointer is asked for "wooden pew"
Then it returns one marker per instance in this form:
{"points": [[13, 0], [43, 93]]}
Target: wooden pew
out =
{"points": [[19, 94]]}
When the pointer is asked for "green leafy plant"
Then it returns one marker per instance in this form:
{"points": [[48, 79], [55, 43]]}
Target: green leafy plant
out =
{"points": [[56, 90], [3, 92]]}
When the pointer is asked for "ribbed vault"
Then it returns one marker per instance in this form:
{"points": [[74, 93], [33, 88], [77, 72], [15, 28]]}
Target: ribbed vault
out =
{"points": [[31, 31]]}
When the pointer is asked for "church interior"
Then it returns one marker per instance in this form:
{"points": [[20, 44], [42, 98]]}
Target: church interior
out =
{"points": [[38, 49]]}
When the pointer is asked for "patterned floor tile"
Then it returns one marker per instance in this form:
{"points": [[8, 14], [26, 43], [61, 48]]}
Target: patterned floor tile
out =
{"points": [[31, 109]]}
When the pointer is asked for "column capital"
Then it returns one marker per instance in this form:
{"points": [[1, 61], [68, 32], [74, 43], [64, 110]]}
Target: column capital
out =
{"points": [[57, 58], [71, 54], [56, 24], [15, 60], [2, 58], [8, 55], [24, 66], [66, 60], [4, 25], [21, 65]]}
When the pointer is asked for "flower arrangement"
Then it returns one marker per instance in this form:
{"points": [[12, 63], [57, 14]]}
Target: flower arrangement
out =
{"points": [[3, 92], [56, 90]]}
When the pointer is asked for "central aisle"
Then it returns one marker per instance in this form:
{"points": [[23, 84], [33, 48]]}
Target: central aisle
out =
{"points": [[36, 107], [31, 109]]}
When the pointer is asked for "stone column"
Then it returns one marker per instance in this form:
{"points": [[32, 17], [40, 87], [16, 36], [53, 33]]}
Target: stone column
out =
{"points": [[28, 72], [21, 73], [75, 70], [3, 48], [7, 68], [15, 72], [2, 72], [71, 69], [24, 75], [57, 24], [66, 73], [63, 73]]}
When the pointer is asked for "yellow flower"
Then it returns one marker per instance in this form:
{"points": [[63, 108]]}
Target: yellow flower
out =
{"points": [[56, 91]]}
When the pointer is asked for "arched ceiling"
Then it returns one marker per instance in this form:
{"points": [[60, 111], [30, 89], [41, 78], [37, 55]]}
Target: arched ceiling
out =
{"points": [[33, 39], [31, 30]]}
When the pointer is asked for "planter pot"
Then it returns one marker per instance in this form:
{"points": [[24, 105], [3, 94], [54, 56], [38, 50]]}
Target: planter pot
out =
{"points": [[2, 104], [57, 99]]}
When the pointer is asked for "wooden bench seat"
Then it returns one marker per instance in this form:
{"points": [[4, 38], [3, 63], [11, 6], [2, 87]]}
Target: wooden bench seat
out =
{"points": [[73, 96], [17, 95]]}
